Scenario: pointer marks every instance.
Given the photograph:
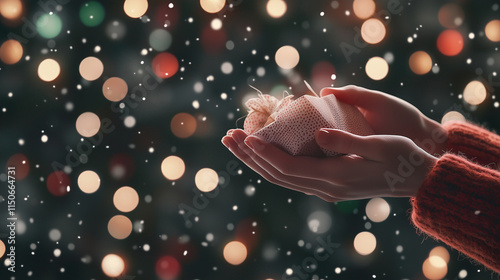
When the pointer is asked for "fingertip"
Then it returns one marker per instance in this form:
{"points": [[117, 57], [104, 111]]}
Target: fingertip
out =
{"points": [[326, 91]]}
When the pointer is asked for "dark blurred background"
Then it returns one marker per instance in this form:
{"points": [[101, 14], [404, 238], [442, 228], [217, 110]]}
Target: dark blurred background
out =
{"points": [[174, 232]]}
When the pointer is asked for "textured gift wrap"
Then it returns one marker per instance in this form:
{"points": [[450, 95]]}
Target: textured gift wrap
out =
{"points": [[291, 125]]}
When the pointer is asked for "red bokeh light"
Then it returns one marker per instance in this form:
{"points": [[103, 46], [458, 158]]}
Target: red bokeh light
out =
{"points": [[167, 268], [165, 65], [450, 42], [22, 165], [321, 74], [57, 183], [213, 41]]}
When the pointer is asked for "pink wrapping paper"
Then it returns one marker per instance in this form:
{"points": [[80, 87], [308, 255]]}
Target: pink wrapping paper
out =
{"points": [[291, 125]]}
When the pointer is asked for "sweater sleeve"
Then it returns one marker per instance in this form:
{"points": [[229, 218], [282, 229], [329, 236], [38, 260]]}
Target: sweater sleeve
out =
{"points": [[459, 204], [473, 142]]}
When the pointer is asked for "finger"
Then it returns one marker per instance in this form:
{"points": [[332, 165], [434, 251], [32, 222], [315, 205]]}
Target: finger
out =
{"points": [[247, 159], [296, 166], [347, 143], [356, 96]]}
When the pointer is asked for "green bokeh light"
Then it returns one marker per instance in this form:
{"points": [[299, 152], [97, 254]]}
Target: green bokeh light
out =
{"points": [[160, 40], [49, 25], [92, 13], [347, 207]]}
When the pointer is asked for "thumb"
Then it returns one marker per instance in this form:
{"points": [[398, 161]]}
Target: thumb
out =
{"points": [[344, 142]]}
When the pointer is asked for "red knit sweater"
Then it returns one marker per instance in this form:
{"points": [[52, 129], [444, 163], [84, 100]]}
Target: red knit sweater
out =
{"points": [[459, 202]]}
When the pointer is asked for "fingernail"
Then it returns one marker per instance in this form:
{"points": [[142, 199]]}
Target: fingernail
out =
{"points": [[322, 136], [253, 142], [230, 132]]}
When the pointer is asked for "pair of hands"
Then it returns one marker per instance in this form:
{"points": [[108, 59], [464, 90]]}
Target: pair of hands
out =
{"points": [[392, 163]]}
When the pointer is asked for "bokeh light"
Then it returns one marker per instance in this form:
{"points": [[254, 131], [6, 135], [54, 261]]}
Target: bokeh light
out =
{"points": [[167, 268], [373, 31], [377, 68], [165, 65], [441, 252], [420, 63], [319, 222], [206, 179], [114, 89], [450, 42], [434, 268], [173, 167], [88, 124], [492, 30], [377, 209], [119, 227], [276, 8], [2, 248], [451, 15], [135, 8], [212, 6], [235, 252], [58, 183], [11, 9], [92, 13], [11, 52], [287, 57], [49, 25], [91, 68], [49, 70], [121, 167], [21, 163], [452, 116], [474, 93], [183, 125], [160, 40], [363, 9], [321, 74], [112, 265], [126, 199], [89, 181], [365, 243], [216, 24]]}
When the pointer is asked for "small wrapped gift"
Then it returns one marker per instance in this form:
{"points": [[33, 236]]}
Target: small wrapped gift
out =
{"points": [[291, 124]]}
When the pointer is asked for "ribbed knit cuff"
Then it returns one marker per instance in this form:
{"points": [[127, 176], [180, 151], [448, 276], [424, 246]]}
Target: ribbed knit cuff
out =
{"points": [[459, 204], [475, 143]]}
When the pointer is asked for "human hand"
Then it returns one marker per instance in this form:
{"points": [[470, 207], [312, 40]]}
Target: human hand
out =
{"points": [[374, 166], [390, 115]]}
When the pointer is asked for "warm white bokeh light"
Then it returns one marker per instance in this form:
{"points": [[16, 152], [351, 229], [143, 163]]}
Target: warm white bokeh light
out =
{"points": [[114, 89], [452, 116], [11, 9], [173, 167], [48, 70], [434, 268], [89, 181], [377, 209], [474, 93], [88, 124], [276, 8], [365, 243], [91, 68], [135, 8], [212, 6], [112, 265], [420, 62], [287, 57], [120, 227], [235, 252], [492, 30], [206, 179], [363, 9], [2, 248], [377, 68], [126, 199], [373, 31], [441, 252]]}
